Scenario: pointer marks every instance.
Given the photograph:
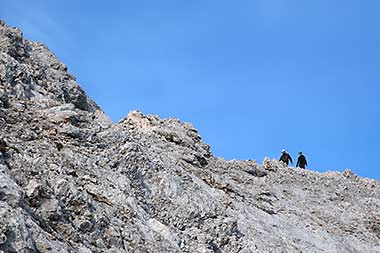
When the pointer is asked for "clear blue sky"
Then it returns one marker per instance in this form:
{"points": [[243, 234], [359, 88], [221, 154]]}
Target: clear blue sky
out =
{"points": [[254, 76]]}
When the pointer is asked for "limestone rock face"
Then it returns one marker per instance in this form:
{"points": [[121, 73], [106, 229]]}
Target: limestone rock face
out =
{"points": [[73, 181]]}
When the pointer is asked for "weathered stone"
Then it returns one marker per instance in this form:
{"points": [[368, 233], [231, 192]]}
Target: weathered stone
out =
{"points": [[80, 183], [3, 239]]}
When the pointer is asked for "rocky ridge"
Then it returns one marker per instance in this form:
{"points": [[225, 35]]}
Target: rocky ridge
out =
{"points": [[73, 181]]}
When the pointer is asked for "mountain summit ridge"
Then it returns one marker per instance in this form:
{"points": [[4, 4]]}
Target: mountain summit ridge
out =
{"points": [[73, 181]]}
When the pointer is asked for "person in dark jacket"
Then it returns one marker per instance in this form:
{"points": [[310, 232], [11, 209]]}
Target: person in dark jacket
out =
{"points": [[285, 157], [301, 162]]}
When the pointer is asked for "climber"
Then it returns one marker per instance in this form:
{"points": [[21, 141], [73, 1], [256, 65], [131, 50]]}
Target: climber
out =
{"points": [[285, 157], [301, 162]]}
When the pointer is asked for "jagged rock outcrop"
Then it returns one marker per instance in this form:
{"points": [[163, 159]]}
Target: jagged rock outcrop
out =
{"points": [[72, 181]]}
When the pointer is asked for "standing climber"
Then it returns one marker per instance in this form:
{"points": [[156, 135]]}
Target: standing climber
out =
{"points": [[285, 157], [301, 162]]}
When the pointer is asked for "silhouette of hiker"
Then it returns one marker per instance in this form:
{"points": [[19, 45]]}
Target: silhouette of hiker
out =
{"points": [[301, 162], [285, 157]]}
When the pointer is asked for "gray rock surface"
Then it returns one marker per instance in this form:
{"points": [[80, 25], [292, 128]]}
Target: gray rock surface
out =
{"points": [[73, 181]]}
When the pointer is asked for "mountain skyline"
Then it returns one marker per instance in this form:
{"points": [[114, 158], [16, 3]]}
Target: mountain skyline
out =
{"points": [[253, 77]]}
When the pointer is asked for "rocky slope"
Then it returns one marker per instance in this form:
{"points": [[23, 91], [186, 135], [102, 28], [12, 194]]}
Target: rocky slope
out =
{"points": [[72, 181]]}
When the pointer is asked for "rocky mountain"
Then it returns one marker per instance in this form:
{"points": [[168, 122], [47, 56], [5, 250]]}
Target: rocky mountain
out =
{"points": [[73, 181]]}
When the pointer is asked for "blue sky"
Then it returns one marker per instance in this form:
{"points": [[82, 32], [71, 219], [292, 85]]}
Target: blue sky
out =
{"points": [[253, 76]]}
